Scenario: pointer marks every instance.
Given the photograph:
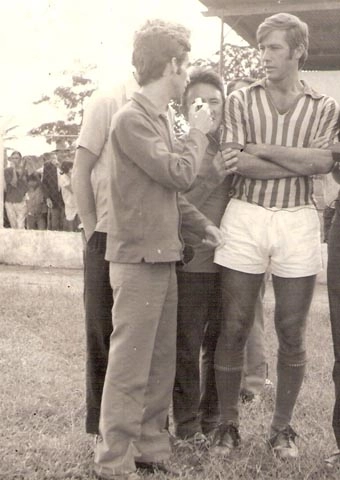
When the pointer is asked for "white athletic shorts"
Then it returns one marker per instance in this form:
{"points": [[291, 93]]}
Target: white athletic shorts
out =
{"points": [[286, 242]]}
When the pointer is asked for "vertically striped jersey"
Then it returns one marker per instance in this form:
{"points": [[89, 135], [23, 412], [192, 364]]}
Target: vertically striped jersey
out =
{"points": [[251, 117]]}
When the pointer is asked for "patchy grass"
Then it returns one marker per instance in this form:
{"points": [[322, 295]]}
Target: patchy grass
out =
{"points": [[42, 397]]}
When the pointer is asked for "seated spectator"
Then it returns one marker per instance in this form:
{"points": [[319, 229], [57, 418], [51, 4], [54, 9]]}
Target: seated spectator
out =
{"points": [[16, 187], [35, 204]]}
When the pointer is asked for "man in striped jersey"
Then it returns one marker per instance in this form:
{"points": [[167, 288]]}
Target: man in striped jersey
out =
{"points": [[271, 221]]}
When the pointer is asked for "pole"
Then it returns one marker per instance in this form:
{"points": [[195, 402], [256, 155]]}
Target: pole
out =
{"points": [[1, 179], [221, 66]]}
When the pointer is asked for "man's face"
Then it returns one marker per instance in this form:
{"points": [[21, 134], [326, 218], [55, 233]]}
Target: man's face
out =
{"points": [[180, 79], [278, 60], [210, 95], [15, 159]]}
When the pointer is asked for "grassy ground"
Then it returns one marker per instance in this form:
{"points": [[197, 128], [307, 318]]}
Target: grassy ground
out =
{"points": [[42, 395]]}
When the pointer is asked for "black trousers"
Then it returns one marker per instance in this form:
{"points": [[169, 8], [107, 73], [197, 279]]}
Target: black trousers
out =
{"points": [[195, 405], [98, 302], [333, 282]]}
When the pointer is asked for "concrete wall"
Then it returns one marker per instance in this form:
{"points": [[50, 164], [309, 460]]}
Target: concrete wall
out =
{"points": [[41, 248], [58, 249]]}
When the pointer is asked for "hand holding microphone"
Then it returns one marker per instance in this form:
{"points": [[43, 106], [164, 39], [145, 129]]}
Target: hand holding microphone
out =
{"points": [[200, 116]]}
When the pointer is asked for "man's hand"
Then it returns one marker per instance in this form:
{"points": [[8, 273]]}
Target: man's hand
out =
{"points": [[214, 237], [224, 164], [49, 203], [200, 119], [321, 142]]}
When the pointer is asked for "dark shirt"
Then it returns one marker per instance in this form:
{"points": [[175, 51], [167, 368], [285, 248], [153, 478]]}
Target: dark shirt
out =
{"points": [[15, 190], [144, 214], [50, 185]]}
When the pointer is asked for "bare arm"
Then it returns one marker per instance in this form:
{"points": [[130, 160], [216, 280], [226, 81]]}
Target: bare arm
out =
{"points": [[252, 166], [81, 183], [301, 161]]}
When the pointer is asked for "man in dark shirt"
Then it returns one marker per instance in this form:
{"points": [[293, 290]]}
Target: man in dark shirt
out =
{"points": [[143, 246], [195, 406]]}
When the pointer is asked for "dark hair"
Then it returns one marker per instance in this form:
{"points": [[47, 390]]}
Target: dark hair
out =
{"points": [[296, 31], [155, 44], [16, 152], [231, 85], [66, 166], [202, 75], [35, 177]]}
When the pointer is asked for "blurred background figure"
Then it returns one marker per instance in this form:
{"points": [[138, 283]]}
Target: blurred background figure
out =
{"points": [[51, 189], [71, 220], [35, 204], [16, 187]]}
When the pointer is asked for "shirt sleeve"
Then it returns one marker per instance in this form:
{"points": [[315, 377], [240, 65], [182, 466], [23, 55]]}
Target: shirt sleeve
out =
{"points": [[329, 121], [137, 137], [235, 133], [94, 131]]}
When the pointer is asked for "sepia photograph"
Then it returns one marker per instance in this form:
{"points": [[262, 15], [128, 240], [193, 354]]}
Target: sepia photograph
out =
{"points": [[170, 240]]}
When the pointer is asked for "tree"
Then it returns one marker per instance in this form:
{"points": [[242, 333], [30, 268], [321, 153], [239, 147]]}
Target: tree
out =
{"points": [[69, 99], [237, 61]]}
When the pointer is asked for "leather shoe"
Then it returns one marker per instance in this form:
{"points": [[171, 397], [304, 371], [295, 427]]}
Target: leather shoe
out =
{"points": [[158, 467]]}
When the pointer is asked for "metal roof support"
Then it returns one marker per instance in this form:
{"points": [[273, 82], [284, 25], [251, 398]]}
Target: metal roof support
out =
{"points": [[221, 64]]}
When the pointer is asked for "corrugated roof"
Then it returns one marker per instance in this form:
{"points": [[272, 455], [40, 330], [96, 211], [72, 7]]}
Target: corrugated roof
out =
{"points": [[322, 17]]}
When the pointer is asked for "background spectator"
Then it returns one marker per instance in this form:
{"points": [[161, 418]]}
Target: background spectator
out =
{"points": [[35, 204], [51, 189], [16, 187]]}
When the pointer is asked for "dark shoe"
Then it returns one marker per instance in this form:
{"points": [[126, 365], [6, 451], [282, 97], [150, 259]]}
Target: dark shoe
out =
{"points": [[246, 396], [198, 440], [283, 443], [121, 476], [158, 467], [226, 438]]}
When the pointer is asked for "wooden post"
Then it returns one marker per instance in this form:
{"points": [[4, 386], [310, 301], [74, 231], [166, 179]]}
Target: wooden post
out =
{"points": [[2, 182]]}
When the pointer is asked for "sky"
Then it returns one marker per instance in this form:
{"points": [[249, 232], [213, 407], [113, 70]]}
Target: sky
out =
{"points": [[41, 38]]}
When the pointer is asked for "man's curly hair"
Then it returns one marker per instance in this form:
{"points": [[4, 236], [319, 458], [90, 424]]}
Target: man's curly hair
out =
{"points": [[155, 44]]}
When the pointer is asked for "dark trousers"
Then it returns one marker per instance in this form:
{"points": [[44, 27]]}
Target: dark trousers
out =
{"points": [[333, 282], [195, 406], [98, 302]]}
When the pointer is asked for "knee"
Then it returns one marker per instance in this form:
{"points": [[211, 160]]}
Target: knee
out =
{"points": [[292, 338], [234, 335]]}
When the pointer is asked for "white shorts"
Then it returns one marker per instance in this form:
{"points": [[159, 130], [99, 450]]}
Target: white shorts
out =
{"points": [[286, 242]]}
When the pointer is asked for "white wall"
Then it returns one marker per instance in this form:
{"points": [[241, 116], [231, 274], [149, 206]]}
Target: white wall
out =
{"points": [[327, 82]]}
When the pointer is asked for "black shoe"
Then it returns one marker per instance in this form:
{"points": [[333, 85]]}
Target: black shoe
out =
{"points": [[157, 467], [246, 396], [283, 443], [225, 439]]}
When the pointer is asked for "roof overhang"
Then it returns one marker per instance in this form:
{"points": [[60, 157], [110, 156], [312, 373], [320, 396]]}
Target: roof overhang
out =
{"points": [[322, 18]]}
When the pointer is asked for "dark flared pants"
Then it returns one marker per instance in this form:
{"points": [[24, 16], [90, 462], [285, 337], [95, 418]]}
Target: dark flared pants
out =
{"points": [[98, 305], [333, 281], [195, 406]]}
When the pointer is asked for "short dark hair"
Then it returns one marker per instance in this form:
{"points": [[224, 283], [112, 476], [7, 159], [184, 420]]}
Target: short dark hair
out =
{"points": [[296, 31], [155, 44], [202, 75], [231, 85], [16, 152], [35, 177]]}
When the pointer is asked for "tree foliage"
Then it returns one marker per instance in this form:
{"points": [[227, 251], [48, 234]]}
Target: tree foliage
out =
{"points": [[70, 98], [237, 61]]}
